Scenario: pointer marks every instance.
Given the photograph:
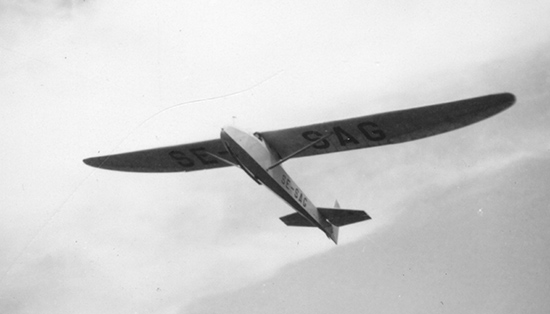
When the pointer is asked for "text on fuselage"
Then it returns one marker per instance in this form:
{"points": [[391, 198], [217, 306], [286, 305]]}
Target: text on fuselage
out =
{"points": [[294, 190]]}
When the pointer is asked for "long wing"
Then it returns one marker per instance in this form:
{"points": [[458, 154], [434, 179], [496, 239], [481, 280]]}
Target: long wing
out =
{"points": [[187, 157], [385, 128], [368, 131]]}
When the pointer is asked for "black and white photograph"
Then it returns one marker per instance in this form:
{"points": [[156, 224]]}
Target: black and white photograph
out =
{"points": [[274, 156]]}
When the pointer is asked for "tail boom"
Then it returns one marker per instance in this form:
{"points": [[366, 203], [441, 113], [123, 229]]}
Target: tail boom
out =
{"points": [[334, 218]]}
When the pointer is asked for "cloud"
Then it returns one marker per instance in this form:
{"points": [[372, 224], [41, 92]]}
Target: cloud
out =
{"points": [[28, 19], [40, 9], [439, 174], [439, 255]]}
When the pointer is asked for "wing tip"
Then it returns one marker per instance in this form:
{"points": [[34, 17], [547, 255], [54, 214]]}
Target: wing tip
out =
{"points": [[96, 162], [497, 103], [507, 99]]}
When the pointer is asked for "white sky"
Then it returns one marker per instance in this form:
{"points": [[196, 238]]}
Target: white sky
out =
{"points": [[86, 78]]}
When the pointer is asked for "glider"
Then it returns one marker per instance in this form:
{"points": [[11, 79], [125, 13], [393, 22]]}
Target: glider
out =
{"points": [[262, 154]]}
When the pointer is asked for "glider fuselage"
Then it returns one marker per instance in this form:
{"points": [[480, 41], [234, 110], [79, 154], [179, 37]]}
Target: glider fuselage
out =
{"points": [[254, 156]]}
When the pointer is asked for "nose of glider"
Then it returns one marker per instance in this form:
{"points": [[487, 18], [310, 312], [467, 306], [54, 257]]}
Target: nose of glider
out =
{"points": [[228, 134], [228, 129], [232, 132]]}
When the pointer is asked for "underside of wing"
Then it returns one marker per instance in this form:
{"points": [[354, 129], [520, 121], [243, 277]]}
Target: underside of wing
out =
{"points": [[385, 128], [187, 157]]}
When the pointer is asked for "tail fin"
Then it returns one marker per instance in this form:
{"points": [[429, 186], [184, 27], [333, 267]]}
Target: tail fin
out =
{"points": [[332, 233], [340, 217]]}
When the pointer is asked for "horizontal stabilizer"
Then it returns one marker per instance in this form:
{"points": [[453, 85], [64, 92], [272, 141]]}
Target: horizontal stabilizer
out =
{"points": [[296, 220], [342, 217]]}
